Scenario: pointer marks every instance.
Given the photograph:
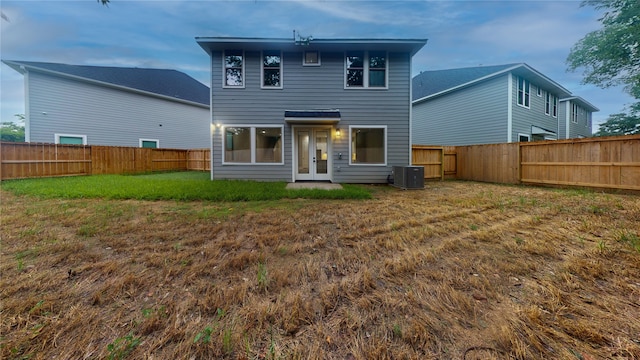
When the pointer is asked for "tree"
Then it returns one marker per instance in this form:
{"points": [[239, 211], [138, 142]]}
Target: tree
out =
{"points": [[621, 123], [611, 56], [10, 131]]}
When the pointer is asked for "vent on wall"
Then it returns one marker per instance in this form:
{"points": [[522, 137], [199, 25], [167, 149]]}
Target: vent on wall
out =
{"points": [[408, 177]]}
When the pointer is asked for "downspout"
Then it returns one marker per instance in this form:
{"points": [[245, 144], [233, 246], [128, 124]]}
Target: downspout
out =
{"points": [[510, 108], [27, 112], [410, 112], [567, 117], [212, 126]]}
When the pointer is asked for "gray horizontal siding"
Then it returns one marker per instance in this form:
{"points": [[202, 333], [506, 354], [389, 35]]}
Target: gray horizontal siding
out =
{"points": [[314, 87], [524, 118], [109, 116], [474, 115]]}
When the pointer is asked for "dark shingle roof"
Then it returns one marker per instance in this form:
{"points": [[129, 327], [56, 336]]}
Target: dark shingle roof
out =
{"points": [[432, 82], [170, 83]]}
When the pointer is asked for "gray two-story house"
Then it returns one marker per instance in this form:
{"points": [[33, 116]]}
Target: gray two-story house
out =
{"points": [[291, 110], [495, 104], [113, 106]]}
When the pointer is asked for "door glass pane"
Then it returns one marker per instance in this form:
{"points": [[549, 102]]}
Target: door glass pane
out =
{"points": [[303, 152], [321, 152]]}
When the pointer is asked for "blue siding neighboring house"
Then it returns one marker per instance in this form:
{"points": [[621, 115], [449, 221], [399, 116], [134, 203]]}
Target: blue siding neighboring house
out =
{"points": [[492, 104], [114, 106], [334, 110]]}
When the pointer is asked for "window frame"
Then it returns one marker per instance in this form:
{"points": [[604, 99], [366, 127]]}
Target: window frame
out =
{"points": [[520, 136], [224, 70], [574, 113], [58, 136], [252, 141], [386, 147], [539, 91], [140, 141], [526, 92], [547, 103], [554, 106], [263, 68], [304, 58], [366, 70]]}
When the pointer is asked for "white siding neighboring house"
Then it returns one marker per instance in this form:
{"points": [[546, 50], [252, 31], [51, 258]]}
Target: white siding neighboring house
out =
{"points": [[113, 106], [334, 110], [493, 104]]}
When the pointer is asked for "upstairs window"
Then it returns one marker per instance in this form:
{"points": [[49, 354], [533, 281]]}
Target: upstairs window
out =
{"points": [[366, 69], [574, 113], [355, 69], [547, 103], [523, 92], [555, 106], [272, 69], [233, 68], [377, 69]]}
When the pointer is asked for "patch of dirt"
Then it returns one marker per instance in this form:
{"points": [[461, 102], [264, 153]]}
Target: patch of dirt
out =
{"points": [[460, 270]]}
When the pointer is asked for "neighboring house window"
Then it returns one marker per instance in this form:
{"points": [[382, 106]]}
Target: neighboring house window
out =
{"points": [[311, 58], [574, 113], [524, 138], [368, 145], [149, 143], [523, 92], [234, 68], [539, 91], [70, 139], [366, 69], [555, 106], [589, 116], [253, 145], [547, 103], [272, 69]]}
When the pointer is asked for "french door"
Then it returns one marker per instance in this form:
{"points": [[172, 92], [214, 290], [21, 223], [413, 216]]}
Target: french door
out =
{"points": [[312, 160]]}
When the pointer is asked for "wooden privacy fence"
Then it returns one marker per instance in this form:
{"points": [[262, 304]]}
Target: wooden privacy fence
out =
{"points": [[601, 162], [27, 160], [609, 162]]}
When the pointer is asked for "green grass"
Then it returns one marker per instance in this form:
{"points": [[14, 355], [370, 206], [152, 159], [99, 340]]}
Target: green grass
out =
{"points": [[183, 186]]}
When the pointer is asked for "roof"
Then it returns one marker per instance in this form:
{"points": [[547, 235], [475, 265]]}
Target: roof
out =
{"points": [[289, 44], [165, 83], [582, 102], [430, 84]]}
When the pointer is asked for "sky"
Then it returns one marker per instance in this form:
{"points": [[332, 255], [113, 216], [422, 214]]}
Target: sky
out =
{"points": [[161, 34]]}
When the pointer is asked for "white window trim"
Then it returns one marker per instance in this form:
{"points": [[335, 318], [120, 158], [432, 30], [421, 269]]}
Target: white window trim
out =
{"points": [[262, 86], [154, 140], [58, 136], [524, 92], [524, 135], [574, 113], [365, 75], [304, 57], [538, 91], [252, 131], [548, 104], [386, 148], [554, 106], [224, 72]]}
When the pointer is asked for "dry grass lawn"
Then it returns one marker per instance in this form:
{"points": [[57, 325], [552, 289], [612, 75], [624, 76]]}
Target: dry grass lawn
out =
{"points": [[460, 270]]}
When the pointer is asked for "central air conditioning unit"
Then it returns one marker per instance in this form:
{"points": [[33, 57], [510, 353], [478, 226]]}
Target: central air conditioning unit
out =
{"points": [[408, 177]]}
